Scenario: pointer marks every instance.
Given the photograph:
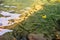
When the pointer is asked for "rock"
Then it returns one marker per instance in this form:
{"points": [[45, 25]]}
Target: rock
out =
{"points": [[36, 37], [3, 31]]}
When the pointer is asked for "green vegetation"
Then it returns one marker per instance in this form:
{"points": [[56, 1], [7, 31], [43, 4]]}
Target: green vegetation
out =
{"points": [[35, 23]]}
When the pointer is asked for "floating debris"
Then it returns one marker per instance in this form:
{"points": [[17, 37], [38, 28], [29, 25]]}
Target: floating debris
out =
{"points": [[13, 7], [12, 11], [22, 11], [15, 16], [10, 14], [4, 21], [1, 4], [28, 8], [7, 6], [5, 13], [3, 31]]}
